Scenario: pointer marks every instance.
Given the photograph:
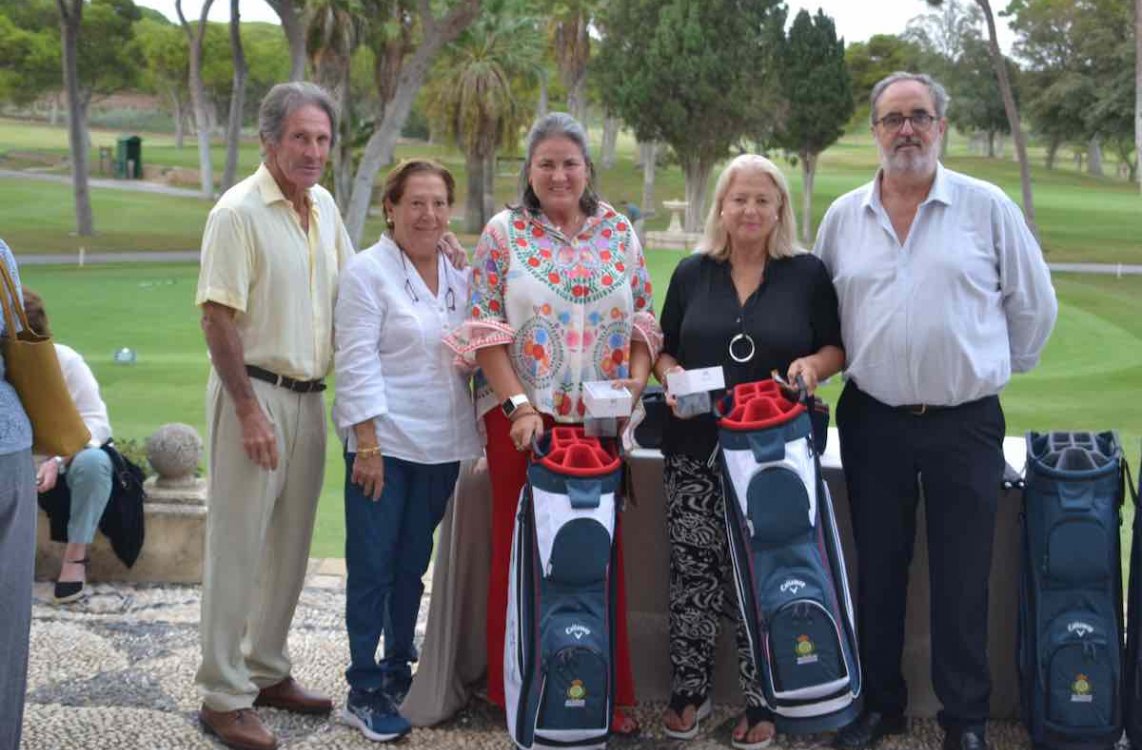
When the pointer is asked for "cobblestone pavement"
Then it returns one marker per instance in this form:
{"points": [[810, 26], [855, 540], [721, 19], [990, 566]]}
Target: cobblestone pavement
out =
{"points": [[116, 671]]}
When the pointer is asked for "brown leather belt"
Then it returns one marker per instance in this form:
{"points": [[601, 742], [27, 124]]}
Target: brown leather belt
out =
{"points": [[297, 386], [919, 410]]}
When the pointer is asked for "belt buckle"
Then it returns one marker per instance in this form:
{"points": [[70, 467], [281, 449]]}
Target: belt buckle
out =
{"points": [[919, 412]]}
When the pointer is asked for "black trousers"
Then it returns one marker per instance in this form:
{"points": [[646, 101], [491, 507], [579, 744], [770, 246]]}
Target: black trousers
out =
{"points": [[956, 456]]}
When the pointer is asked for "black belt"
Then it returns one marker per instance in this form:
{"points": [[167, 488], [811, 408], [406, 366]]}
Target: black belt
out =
{"points": [[918, 410], [297, 386]]}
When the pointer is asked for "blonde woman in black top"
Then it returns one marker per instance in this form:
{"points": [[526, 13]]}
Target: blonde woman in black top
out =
{"points": [[750, 301]]}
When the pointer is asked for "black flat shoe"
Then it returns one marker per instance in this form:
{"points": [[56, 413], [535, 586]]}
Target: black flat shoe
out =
{"points": [[70, 591], [868, 729], [965, 739]]}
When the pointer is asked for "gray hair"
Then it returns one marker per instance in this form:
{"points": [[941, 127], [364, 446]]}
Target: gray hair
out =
{"points": [[558, 125], [286, 98], [939, 94]]}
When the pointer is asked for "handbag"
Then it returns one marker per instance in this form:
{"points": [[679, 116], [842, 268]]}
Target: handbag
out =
{"points": [[33, 369]]}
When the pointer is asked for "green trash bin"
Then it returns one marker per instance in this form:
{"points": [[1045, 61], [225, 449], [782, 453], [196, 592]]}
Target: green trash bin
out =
{"points": [[129, 157]]}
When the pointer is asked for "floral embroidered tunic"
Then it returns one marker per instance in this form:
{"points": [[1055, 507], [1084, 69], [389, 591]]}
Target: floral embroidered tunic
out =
{"points": [[567, 307]]}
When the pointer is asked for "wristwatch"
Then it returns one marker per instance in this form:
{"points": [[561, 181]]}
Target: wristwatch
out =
{"points": [[514, 402], [61, 465]]}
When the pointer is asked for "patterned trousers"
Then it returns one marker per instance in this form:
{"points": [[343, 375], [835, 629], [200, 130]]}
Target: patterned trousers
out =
{"points": [[701, 580]]}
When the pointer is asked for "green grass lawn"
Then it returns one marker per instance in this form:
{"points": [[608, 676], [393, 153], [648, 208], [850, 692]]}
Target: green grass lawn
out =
{"points": [[1081, 218], [1089, 378]]}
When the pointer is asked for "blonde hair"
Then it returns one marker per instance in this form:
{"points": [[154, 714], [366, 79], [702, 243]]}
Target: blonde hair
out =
{"points": [[782, 241]]}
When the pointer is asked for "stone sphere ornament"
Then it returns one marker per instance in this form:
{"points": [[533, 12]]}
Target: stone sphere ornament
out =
{"points": [[175, 451]]}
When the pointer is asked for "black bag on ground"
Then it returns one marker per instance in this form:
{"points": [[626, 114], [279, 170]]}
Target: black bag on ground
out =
{"points": [[1070, 609]]}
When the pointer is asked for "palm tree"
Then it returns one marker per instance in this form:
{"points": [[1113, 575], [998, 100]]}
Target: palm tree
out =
{"points": [[473, 95], [571, 44], [997, 62], [333, 30]]}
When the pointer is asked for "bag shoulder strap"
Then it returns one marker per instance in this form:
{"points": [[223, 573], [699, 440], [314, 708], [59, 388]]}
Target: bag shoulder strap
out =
{"points": [[9, 298], [1130, 486]]}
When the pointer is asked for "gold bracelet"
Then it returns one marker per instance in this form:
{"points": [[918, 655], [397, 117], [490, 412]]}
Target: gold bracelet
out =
{"points": [[367, 452]]}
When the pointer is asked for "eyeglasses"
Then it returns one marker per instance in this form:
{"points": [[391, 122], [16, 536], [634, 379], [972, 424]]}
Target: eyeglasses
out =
{"points": [[449, 295], [920, 120]]}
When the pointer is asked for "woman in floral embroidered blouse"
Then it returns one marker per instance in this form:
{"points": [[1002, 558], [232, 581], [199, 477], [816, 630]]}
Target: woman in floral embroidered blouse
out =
{"points": [[560, 296]]}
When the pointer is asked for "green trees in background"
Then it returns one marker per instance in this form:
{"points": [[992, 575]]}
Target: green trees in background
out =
{"points": [[818, 100], [474, 94], [685, 72]]}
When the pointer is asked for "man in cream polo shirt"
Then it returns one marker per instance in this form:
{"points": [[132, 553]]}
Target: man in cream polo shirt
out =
{"points": [[271, 252]]}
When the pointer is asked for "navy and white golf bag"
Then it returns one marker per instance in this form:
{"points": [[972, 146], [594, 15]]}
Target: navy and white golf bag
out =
{"points": [[558, 649], [1070, 614], [788, 565]]}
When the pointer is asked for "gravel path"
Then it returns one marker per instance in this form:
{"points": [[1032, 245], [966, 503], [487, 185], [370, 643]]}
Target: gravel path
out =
{"points": [[116, 671]]}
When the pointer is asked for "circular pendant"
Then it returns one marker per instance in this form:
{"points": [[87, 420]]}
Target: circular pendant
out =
{"points": [[742, 348]]}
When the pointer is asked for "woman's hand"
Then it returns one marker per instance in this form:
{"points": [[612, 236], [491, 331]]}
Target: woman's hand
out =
{"points": [[47, 475], [526, 428], [369, 474], [806, 368], [453, 250], [671, 399]]}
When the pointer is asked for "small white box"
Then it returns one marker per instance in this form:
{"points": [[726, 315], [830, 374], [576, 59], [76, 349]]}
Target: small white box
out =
{"points": [[701, 380], [604, 400]]}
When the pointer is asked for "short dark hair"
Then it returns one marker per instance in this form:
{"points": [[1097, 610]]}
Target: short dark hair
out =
{"points": [[558, 125], [396, 180], [286, 98], [34, 309]]}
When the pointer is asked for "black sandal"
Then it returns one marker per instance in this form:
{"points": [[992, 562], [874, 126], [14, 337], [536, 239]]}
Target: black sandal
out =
{"points": [[70, 591], [754, 715], [678, 704]]}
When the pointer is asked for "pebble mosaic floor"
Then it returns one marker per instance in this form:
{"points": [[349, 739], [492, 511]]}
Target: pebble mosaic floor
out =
{"points": [[115, 671]]}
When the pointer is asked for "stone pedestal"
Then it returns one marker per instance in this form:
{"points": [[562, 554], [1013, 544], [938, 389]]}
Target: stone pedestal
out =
{"points": [[175, 520], [174, 516], [675, 237]]}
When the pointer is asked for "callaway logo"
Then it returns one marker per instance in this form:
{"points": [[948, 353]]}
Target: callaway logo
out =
{"points": [[578, 631], [792, 586], [1080, 628]]}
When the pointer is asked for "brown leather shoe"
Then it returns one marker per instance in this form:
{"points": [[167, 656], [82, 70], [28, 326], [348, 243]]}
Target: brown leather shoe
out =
{"points": [[241, 729], [291, 696]]}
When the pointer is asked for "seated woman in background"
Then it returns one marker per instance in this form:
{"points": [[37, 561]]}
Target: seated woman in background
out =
{"points": [[87, 473]]}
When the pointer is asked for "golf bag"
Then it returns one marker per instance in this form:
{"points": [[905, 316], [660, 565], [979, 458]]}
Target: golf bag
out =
{"points": [[1132, 687], [1070, 613], [788, 565], [558, 650]]}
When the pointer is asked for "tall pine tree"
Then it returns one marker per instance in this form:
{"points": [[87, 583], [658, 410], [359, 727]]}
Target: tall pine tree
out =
{"points": [[818, 99]]}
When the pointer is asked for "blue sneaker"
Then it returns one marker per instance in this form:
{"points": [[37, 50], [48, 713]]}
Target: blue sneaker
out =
{"points": [[396, 685], [375, 715]]}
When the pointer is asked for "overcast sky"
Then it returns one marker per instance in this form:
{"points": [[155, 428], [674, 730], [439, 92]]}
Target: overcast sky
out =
{"points": [[856, 20]]}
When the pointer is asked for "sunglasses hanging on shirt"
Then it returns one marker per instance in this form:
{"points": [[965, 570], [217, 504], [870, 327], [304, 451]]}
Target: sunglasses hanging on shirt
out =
{"points": [[442, 272]]}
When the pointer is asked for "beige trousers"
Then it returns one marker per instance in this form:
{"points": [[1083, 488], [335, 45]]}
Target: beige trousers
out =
{"points": [[258, 529]]}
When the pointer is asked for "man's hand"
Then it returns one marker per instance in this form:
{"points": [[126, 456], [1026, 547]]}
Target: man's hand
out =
{"points": [[47, 475], [258, 437], [453, 250]]}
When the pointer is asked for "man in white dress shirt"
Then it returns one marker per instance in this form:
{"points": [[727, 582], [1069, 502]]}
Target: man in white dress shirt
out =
{"points": [[943, 293]]}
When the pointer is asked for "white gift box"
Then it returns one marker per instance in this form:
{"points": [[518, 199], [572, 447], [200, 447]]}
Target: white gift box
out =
{"points": [[604, 400], [701, 380]]}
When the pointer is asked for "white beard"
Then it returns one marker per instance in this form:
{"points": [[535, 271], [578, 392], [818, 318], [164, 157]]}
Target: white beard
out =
{"points": [[921, 161]]}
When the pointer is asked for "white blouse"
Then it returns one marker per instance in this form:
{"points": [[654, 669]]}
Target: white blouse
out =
{"points": [[391, 363], [84, 390]]}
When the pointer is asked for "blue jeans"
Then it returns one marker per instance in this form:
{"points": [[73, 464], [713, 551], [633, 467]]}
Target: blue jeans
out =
{"points": [[89, 481], [388, 544]]}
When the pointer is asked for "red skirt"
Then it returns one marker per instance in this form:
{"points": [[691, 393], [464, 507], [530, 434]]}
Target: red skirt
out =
{"points": [[507, 468]]}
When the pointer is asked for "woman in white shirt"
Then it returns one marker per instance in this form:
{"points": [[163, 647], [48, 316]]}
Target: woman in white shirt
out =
{"points": [[405, 413], [87, 473]]}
